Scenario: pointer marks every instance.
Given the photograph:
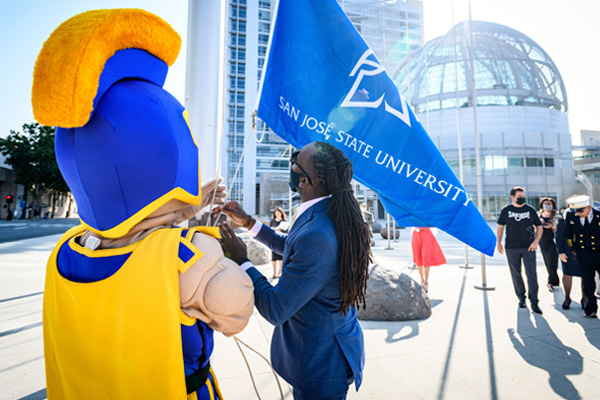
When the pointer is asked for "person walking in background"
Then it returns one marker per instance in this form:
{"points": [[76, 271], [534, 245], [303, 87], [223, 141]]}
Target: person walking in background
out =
{"points": [[523, 233], [549, 217], [582, 228], [278, 224], [426, 253], [369, 220], [317, 345], [570, 266]]}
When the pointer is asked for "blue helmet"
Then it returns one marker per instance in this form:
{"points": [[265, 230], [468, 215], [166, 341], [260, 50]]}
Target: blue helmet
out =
{"points": [[123, 143]]}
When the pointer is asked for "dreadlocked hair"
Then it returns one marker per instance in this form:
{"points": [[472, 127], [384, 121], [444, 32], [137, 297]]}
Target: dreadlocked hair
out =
{"points": [[334, 173]]}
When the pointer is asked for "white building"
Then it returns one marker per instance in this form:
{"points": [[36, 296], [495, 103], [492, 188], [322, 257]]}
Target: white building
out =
{"points": [[522, 109], [261, 181]]}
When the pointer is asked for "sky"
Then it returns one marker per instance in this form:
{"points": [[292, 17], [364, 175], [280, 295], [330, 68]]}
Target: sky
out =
{"points": [[567, 30]]}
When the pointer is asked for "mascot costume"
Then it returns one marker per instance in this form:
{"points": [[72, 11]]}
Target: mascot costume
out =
{"points": [[131, 300]]}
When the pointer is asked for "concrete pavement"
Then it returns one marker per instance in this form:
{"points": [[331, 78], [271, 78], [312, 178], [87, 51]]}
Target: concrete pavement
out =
{"points": [[476, 345]]}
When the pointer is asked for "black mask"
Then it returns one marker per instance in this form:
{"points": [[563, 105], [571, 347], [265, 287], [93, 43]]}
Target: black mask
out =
{"points": [[294, 180], [294, 176], [521, 200]]}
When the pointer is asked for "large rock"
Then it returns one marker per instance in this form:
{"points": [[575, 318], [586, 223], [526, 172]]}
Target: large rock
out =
{"points": [[393, 297], [376, 227], [258, 253], [394, 233]]}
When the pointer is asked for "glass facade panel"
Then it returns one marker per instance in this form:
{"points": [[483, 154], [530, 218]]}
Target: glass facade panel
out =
{"points": [[507, 63]]}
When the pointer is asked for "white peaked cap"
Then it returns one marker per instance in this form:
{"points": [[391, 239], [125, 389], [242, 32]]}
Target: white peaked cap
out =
{"points": [[578, 201]]}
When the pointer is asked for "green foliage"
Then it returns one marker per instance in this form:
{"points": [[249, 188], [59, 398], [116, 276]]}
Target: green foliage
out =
{"points": [[32, 157]]}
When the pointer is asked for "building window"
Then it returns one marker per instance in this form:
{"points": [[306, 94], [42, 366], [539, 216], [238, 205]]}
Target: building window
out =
{"points": [[264, 15], [534, 162], [263, 27], [263, 39], [494, 163], [549, 162], [236, 97], [515, 162]]}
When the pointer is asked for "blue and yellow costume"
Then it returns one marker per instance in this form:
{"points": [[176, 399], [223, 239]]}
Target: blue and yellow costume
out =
{"points": [[130, 301]]}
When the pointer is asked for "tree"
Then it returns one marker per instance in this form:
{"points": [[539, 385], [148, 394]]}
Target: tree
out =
{"points": [[32, 157]]}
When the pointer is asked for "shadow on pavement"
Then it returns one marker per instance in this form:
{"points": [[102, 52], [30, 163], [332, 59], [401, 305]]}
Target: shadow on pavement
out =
{"points": [[452, 336], [541, 348], [39, 395]]}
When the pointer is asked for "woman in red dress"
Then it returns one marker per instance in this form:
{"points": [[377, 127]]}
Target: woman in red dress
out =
{"points": [[426, 253]]}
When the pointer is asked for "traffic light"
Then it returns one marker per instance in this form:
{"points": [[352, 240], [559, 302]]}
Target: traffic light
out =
{"points": [[9, 199]]}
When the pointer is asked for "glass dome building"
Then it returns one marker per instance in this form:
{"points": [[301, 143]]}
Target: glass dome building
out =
{"points": [[522, 109]]}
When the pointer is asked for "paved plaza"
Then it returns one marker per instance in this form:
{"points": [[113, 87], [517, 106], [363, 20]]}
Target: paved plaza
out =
{"points": [[476, 344]]}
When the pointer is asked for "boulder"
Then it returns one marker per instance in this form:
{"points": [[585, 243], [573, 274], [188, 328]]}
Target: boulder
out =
{"points": [[394, 233], [393, 297], [258, 253], [376, 227]]}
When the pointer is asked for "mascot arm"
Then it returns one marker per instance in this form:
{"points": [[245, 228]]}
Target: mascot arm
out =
{"points": [[216, 290]]}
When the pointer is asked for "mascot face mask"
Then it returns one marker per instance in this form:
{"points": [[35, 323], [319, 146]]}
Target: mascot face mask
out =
{"points": [[123, 143]]}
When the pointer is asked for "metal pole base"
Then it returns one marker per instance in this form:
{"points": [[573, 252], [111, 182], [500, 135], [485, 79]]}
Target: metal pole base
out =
{"points": [[484, 287], [466, 266], [389, 248], [413, 266]]}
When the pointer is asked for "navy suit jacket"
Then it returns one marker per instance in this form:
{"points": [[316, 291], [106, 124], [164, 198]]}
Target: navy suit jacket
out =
{"points": [[314, 347]]}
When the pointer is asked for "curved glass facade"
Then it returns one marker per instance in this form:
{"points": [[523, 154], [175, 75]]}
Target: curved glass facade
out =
{"points": [[523, 140], [510, 70]]}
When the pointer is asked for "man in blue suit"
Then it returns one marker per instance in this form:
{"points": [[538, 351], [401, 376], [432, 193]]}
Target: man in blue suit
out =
{"points": [[317, 343]]}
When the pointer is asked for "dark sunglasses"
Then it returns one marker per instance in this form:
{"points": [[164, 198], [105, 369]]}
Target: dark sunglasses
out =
{"points": [[579, 210], [293, 160]]}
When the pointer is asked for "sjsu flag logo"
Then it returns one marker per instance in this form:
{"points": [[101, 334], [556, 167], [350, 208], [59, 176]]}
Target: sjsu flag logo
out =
{"points": [[322, 82]]}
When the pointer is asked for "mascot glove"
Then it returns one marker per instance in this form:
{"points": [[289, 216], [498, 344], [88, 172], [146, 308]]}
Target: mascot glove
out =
{"points": [[208, 189]]}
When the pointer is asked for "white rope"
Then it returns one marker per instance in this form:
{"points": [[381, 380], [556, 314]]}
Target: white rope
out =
{"points": [[237, 342], [254, 128], [236, 173]]}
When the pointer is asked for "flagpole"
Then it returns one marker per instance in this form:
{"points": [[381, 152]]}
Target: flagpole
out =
{"points": [[460, 155], [407, 49], [290, 194], [273, 26], [483, 285], [204, 82], [388, 231]]}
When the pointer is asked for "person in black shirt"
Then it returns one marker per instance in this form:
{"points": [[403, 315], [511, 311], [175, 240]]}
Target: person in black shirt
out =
{"points": [[523, 233]]}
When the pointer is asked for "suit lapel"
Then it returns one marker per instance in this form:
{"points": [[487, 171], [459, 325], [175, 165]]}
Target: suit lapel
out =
{"points": [[307, 216]]}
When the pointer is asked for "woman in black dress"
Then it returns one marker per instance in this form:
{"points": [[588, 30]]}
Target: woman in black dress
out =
{"points": [[570, 266], [278, 223], [549, 216]]}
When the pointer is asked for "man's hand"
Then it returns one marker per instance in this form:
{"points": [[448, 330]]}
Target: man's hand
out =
{"points": [[563, 257], [500, 248], [533, 246], [208, 191], [236, 213], [233, 246]]}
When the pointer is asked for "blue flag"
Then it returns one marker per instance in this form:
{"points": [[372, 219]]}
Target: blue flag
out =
{"points": [[322, 82]]}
